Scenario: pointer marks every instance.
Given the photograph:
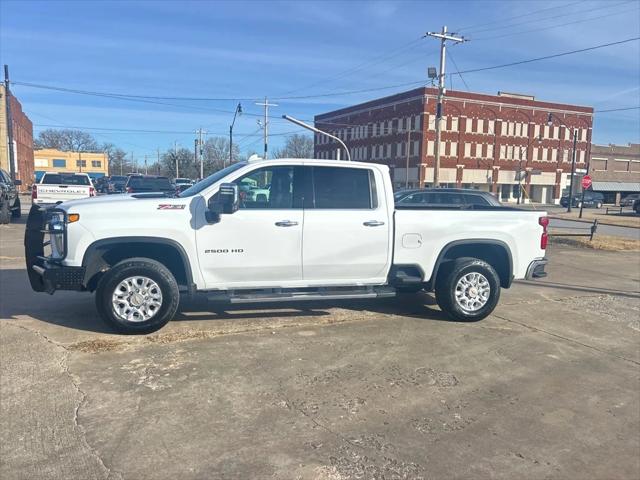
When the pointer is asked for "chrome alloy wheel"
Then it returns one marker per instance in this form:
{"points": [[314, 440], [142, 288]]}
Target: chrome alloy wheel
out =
{"points": [[472, 292], [136, 299]]}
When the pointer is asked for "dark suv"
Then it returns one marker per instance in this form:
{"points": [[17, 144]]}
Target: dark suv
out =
{"points": [[116, 184], [150, 183], [446, 197], [9, 199], [591, 200]]}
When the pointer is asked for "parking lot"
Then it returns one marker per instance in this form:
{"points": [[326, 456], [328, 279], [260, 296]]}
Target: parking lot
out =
{"points": [[546, 387]]}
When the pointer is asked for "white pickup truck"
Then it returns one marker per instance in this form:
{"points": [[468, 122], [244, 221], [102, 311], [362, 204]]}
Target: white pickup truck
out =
{"points": [[321, 229], [58, 187]]}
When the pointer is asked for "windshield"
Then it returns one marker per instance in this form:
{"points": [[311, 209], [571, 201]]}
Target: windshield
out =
{"points": [[211, 179], [64, 179], [150, 183]]}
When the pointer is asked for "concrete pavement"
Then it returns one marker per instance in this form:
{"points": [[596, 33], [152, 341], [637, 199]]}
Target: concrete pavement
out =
{"points": [[547, 387]]}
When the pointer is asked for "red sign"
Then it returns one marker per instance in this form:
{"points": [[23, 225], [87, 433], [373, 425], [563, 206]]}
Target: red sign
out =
{"points": [[586, 182]]}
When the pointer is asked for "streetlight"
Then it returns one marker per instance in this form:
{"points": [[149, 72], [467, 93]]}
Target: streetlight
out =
{"points": [[538, 139], [322, 132], [237, 112], [573, 157]]}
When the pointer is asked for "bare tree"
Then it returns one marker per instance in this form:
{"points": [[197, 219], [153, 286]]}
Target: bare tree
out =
{"points": [[216, 155], [67, 140], [186, 166], [118, 164], [296, 146]]}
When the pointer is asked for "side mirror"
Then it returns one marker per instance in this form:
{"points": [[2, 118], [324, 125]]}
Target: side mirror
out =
{"points": [[227, 201], [17, 182]]}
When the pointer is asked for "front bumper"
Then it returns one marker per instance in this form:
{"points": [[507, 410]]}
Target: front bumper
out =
{"points": [[536, 269], [47, 274]]}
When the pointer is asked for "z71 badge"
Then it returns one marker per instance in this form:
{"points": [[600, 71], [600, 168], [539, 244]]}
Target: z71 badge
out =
{"points": [[170, 206]]}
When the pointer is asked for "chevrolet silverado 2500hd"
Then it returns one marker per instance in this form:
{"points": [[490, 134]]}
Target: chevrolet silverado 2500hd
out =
{"points": [[55, 187], [316, 229]]}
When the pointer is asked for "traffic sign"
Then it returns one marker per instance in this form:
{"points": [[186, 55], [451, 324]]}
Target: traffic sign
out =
{"points": [[586, 182]]}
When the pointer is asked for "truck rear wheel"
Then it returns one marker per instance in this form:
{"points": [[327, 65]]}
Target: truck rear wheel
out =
{"points": [[137, 295], [468, 289]]}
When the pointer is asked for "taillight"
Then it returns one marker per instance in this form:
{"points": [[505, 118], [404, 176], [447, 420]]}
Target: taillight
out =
{"points": [[92, 192], [544, 223], [129, 190], [34, 192]]}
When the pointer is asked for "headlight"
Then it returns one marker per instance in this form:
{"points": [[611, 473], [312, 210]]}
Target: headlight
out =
{"points": [[56, 234]]}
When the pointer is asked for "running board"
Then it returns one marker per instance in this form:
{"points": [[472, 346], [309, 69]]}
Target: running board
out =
{"points": [[299, 294]]}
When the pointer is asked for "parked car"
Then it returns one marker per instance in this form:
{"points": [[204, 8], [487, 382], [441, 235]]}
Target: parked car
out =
{"points": [[9, 198], [58, 187], [629, 200], [446, 197], [591, 200], [138, 254], [149, 183], [117, 184], [636, 206], [183, 181], [100, 184]]}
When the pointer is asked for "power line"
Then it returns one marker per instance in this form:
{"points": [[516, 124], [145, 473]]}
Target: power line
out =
{"points": [[522, 32], [622, 109], [125, 130], [369, 63], [552, 17], [537, 59], [535, 12]]}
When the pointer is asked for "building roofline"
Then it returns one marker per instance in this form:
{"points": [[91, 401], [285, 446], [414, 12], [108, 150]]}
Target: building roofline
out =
{"points": [[429, 92]]}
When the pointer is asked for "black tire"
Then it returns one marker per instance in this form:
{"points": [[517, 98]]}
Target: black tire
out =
{"points": [[5, 212], [16, 212], [144, 267], [448, 279]]}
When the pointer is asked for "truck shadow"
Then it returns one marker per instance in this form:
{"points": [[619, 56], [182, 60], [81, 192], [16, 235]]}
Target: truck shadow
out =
{"points": [[76, 310]]}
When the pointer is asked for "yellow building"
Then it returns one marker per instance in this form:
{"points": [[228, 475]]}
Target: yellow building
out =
{"points": [[52, 160]]}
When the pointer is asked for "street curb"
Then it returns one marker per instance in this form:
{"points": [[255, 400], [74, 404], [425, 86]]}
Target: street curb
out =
{"points": [[590, 222]]}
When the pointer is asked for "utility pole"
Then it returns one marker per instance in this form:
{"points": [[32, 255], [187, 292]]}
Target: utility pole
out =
{"points": [[573, 168], [199, 149], [80, 161], [441, 91], [265, 126], [134, 167], [158, 162], [146, 170], [7, 99]]}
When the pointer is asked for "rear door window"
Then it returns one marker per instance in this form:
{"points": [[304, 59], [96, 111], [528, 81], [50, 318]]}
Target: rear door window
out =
{"points": [[476, 200], [62, 179], [344, 188]]}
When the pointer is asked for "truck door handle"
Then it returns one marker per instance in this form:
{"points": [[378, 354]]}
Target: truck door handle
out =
{"points": [[286, 223], [373, 223]]}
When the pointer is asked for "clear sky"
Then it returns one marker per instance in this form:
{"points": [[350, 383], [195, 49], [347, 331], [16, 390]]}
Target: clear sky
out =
{"points": [[246, 50]]}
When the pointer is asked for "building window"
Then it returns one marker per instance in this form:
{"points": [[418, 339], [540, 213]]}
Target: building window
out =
{"points": [[467, 150], [430, 148], [81, 163], [59, 163], [534, 154], [490, 151], [454, 149], [554, 155], [41, 162], [454, 124], [416, 147], [545, 133], [503, 151], [478, 150], [480, 126], [621, 165], [581, 156], [525, 129], [599, 164], [416, 124], [96, 163], [634, 166]]}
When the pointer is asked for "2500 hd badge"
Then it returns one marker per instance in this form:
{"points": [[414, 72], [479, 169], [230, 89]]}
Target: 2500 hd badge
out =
{"points": [[224, 250]]}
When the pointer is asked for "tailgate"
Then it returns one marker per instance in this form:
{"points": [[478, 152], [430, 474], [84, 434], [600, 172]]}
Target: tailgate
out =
{"points": [[61, 193]]}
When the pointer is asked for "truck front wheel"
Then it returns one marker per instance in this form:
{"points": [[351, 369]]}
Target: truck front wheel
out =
{"points": [[137, 295], [467, 289]]}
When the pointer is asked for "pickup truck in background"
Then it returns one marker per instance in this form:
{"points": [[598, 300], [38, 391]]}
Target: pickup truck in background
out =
{"points": [[9, 197], [56, 187], [319, 230]]}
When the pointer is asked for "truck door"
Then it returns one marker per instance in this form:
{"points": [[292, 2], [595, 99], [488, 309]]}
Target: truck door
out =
{"points": [[347, 227], [260, 245]]}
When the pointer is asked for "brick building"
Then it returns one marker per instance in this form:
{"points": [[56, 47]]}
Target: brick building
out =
{"points": [[615, 170], [23, 140], [486, 140]]}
